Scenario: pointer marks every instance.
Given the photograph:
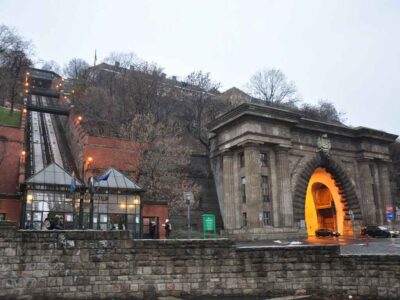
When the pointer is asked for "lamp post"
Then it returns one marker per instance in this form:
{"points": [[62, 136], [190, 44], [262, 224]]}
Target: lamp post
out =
{"points": [[85, 165], [188, 197], [91, 193]]}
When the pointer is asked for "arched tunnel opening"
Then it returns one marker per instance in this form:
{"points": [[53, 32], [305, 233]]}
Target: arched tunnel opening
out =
{"points": [[325, 205]]}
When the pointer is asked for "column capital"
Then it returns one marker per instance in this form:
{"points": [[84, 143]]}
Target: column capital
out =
{"points": [[227, 152], [384, 161], [364, 160], [377, 160], [250, 144], [282, 148]]}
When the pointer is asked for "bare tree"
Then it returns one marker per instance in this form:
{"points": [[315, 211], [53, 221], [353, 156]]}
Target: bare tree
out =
{"points": [[123, 59], [76, 69], [323, 111], [51, 65], [272, 86], [7, 38], [165, 159], [200, 103], [112, 98], [14, 60]]}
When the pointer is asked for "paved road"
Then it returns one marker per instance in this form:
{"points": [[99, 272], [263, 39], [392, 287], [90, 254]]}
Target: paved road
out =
{"points": [[348, 246]]}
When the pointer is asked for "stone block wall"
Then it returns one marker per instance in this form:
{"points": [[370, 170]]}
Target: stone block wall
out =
{"points": [[100, 265]]}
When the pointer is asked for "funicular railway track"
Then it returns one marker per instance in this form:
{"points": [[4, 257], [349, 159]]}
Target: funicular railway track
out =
{"points": [[44, 148]]}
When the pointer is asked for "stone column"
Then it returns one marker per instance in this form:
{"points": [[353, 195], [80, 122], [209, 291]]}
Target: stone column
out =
{"points": [[367, 203], [284, 190], [274, 191], [384, 187], [377, 195], [229, 209], [254, 204]]}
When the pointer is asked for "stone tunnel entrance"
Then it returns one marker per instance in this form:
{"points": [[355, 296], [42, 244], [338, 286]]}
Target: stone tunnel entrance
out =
{"points": [[325, 205]]}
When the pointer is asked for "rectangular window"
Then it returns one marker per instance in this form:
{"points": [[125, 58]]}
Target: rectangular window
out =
{"points": [[264, 159], [243, 188], [265, 188], [241, 160], [244, 219], [2, 216], [267, 218]]}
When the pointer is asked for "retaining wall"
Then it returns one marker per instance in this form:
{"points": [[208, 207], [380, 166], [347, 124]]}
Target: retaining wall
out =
{"points": [[99, 265]]}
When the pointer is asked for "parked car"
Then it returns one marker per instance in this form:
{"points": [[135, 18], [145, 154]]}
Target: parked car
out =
{"points": [[378, 231], [326, 232]]}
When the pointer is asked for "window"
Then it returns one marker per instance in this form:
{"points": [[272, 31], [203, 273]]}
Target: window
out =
{"points": [[267, 218], [244, 219], [264, 159], [243, 188], [2, 216], [241, 160], [265, 188]]}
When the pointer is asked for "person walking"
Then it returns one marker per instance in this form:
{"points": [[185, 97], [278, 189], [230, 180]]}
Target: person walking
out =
{"points": [[167, 228], [152, 229]]}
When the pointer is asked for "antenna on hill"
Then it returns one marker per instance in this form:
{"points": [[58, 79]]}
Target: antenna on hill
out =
{"points": [[95, 57]]}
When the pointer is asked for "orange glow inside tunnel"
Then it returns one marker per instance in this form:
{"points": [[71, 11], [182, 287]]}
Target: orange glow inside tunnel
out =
{"points": [[321, 177]]}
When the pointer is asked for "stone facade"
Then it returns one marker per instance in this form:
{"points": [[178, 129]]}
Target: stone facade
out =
{"points": [[281, 148], [105, 265]]}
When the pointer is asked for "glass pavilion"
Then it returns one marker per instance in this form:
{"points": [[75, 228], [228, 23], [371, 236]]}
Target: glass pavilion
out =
{"points": [[114, 204], [47, 195]]}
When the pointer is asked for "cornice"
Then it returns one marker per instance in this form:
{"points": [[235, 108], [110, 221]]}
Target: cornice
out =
{"points": [[297, 121]]}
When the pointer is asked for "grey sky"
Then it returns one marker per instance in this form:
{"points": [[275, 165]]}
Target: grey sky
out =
{"points": [[344, 51]]}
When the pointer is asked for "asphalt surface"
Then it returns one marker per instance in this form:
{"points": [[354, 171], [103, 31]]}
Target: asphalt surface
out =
{"points": [[348, 246]]}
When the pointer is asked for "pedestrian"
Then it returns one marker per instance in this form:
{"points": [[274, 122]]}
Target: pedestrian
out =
{"points": [[168, 228], [46, 224], [152, 229], [53, 222], [60, 224]]}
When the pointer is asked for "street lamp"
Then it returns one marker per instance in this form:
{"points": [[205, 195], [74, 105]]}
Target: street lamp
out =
{"points": [[86, 165], [78, 120], [188, 197]]}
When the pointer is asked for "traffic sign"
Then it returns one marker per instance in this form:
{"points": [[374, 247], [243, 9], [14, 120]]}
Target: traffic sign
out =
{"points": [[389, 216]]}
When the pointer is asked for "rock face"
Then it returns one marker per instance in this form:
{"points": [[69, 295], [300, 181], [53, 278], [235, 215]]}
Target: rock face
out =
{"points": [[259, 152], [104, 265]]}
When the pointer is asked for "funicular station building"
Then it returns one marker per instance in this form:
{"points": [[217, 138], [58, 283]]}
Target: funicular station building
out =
{"points": [[113, 204], [280, 175], [56, 161]]}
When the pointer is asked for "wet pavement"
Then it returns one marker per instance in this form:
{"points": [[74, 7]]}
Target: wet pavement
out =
{"points": [[348, 246]]}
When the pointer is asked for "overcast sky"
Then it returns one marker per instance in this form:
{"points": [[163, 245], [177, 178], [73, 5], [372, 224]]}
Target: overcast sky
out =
{"points": [[345, 51]]}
